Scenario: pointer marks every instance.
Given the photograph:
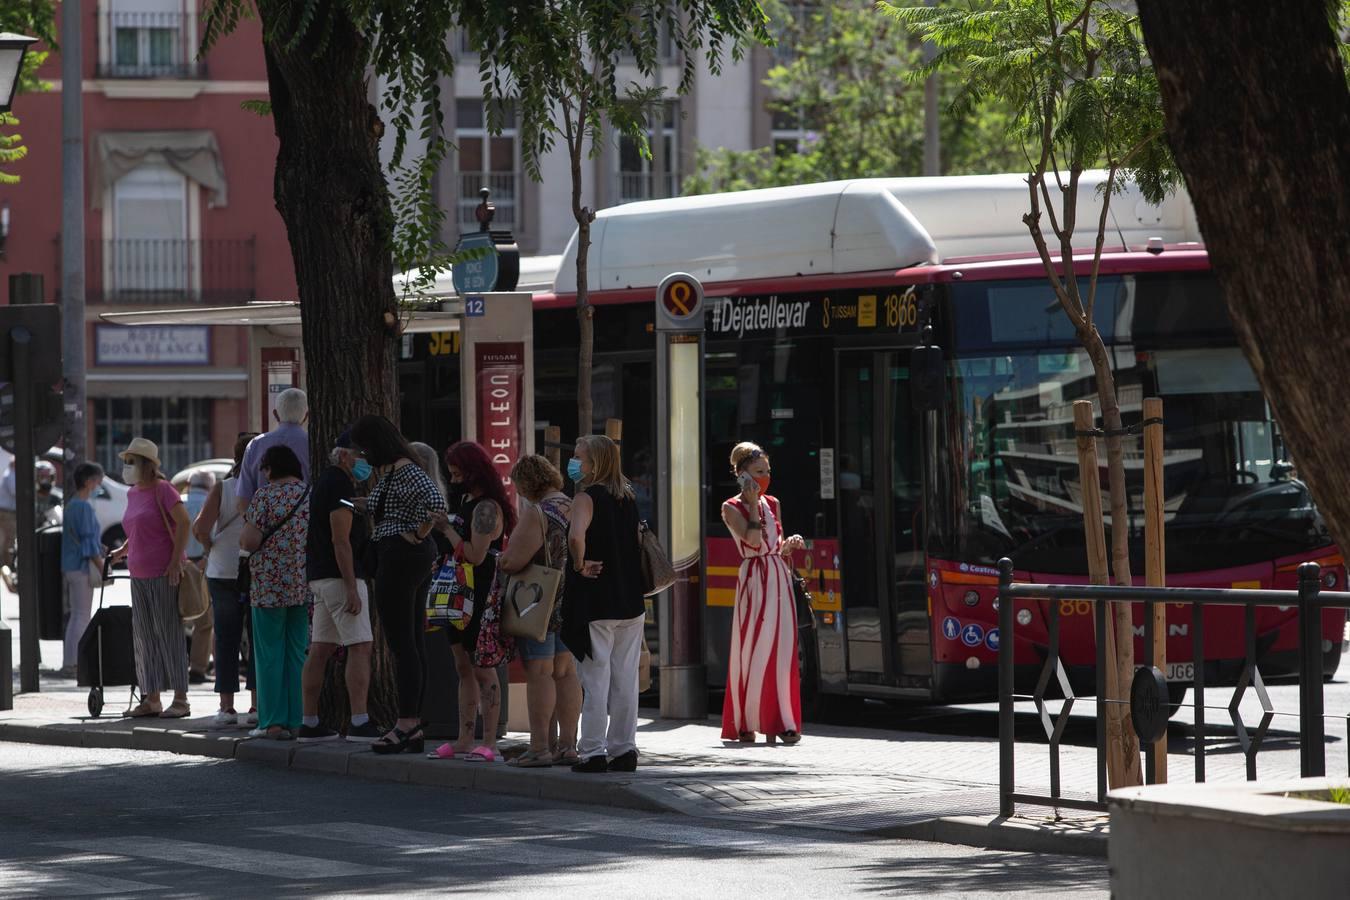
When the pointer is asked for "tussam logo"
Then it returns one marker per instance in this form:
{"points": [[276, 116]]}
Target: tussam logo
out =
{"points": [[737, 315]]}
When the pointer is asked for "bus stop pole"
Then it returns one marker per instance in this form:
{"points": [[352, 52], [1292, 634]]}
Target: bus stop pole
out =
{"points": [[679, 422]]}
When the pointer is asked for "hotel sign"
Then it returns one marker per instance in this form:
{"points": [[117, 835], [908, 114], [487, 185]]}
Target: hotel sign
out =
{"points": [[152, 345]]}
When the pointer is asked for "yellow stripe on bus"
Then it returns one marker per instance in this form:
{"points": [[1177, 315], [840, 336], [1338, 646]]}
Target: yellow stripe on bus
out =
{"points": [[735, 571], [727, 597]]}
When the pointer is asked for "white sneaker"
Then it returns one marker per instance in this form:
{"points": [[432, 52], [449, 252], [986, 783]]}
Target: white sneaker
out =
{"points": [[258, 733], [249, 718], [225, 717]]}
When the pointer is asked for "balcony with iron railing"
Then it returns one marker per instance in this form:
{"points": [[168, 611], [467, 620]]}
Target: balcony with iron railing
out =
{"points": [[634, 186], [212, 272], [503, 197], [148, 45]]}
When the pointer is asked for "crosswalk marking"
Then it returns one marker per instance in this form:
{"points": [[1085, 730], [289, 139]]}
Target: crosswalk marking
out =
{"points": [[45, 879], [213, 856], [525, 850]]}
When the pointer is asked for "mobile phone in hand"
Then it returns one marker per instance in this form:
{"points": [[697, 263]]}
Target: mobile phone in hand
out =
{"points": [[349, 504], [746, 482]]}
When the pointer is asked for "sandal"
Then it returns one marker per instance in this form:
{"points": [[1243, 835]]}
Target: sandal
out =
{"points": [[532, 759], [144, 710], [483, 754], [747, 737], [791, 737], [444, 751], [566, 756], [398, 741], [179, 709]]}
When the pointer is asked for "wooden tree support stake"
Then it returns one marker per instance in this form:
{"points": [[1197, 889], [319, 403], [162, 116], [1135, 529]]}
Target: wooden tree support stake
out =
{"points": [[1122, 768], [1155, 557]]}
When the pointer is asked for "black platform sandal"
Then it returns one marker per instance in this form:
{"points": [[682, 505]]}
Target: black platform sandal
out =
{"points": [[791, 737], [404, 742]]}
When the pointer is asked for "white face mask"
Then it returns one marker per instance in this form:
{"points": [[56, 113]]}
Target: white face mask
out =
{"points": [[131, 473]]}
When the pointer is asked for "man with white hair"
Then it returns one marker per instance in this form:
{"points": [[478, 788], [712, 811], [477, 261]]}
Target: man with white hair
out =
{"points": [[291, 414]]}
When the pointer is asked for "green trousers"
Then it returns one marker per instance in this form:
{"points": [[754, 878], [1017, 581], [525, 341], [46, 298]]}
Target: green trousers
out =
{"points": [[280, 641]]}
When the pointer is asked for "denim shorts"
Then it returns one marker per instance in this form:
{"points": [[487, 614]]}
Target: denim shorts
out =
{"points": [[548, 648]]}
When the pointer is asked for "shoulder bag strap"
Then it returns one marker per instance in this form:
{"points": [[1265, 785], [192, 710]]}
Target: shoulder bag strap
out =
{"points": [[222, 524], [284, 519], [548, 553], [163, 516]]}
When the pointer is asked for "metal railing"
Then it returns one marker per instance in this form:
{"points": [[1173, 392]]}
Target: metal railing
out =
{"points": [[159, 271], [635, 186], [504, 198], [1309, 599], [149, 45]]}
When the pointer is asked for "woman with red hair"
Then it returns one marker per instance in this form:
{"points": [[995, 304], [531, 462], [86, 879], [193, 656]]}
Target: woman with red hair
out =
{"points": [[484, 516]]}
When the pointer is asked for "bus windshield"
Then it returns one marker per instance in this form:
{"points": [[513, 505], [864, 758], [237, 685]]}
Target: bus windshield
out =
{"points": [[1231, 494]]}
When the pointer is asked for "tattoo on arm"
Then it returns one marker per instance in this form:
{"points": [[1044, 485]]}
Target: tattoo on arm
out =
{"points": [[485, 518]]}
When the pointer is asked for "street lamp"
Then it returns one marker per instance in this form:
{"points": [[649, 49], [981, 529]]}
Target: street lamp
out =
{"points": [[12, 49]]}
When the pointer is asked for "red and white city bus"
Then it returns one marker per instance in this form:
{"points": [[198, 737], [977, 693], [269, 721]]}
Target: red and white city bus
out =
{"points": [[817, 295]]}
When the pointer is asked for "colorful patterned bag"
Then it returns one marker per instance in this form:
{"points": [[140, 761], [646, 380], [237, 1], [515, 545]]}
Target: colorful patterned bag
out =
{"points": [[450, 599], [494, 647]]}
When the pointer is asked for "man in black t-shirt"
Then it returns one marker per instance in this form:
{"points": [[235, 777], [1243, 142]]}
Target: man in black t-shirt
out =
{"points": [[341, 608]]}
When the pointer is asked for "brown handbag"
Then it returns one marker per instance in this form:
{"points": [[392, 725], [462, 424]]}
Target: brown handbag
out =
{"points": [[193, 597], [657, 572]]}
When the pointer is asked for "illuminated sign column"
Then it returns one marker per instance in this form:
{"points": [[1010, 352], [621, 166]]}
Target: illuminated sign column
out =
{"points": [[679, 424], [497, 366]]}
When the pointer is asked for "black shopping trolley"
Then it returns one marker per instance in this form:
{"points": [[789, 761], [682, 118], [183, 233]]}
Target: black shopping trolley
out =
{"points": [[107, 656]]}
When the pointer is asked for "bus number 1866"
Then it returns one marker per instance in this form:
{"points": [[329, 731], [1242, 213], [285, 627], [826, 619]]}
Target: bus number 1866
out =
{"points": [[902, 310]]}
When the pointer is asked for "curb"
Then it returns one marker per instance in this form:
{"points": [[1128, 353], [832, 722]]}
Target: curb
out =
{"points": [[1019, 835], [1087, 838], [356, 760]]}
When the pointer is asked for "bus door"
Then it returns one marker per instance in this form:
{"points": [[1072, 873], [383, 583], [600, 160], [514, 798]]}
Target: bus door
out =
{"points": [[879, 492]]}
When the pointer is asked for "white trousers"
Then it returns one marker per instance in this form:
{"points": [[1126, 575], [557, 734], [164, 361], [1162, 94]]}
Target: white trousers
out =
{"points": [[609, 680], [80, 597]]}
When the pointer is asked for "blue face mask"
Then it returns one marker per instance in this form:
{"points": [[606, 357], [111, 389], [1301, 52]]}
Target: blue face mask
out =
{"points": [[574, 469], [361, 470]]}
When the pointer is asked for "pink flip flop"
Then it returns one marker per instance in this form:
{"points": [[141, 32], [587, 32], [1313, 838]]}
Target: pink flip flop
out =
{"points": [[444, 751], [484, 753]]}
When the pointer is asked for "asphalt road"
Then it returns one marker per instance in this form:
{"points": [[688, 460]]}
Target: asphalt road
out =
{"points": [[100, 822]]}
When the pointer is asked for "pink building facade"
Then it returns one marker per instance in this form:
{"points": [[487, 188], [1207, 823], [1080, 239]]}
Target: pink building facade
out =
{"points": [[178, 213]]}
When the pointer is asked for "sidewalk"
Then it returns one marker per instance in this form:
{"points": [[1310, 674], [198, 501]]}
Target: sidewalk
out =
{"points": [[853, 780]]}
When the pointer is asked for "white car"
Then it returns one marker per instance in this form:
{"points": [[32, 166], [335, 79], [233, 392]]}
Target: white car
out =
{"points": [[110, 505]]}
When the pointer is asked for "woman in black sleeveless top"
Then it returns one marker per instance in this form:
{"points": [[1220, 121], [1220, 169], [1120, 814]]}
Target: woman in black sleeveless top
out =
{"points": [[484, 517], [605, 612]]}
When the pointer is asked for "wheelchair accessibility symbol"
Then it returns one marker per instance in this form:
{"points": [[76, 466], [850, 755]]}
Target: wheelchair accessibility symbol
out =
{"points": [[972, 635]]}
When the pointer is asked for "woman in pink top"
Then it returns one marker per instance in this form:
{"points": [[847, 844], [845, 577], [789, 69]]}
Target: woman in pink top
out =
{"points": [[156, 525]]}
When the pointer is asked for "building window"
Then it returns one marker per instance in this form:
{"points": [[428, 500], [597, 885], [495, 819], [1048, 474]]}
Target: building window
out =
{"points": [[789, 134], [788, 32], [180, 426], [489, 161], [149, 256], [147, 39], [646, 179]]}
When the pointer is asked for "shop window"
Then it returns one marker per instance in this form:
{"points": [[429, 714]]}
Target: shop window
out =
{"points": [[180, 426]]}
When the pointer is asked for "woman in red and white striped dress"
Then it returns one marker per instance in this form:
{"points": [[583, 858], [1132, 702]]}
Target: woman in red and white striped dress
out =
{"points": [[763, 684]]}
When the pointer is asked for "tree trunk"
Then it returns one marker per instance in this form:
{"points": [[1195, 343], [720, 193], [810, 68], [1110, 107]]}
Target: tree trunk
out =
{"points": [[331, 193], [1119, 622], [585, 312], [1258, 116]]}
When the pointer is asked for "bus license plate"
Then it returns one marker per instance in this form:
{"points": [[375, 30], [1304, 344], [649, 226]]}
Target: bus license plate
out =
{"points": [[1181, 671]]}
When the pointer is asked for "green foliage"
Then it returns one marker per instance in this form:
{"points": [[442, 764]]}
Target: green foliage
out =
{"points": [[35, 18], [554, 63], [846, 87], [1083, 93], [559, 61], [261, 108]]}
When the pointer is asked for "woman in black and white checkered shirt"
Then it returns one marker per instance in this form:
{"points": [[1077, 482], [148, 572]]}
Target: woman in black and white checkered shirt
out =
{"points": [[404, 503]]}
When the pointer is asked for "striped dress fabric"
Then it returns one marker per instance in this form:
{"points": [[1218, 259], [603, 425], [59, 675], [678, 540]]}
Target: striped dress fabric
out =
{"points": [[763, 684], [157, 636]]}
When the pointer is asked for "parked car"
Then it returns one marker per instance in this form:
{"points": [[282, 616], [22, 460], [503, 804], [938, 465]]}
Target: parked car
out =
{"points": [[110, 505], [217, 467]]}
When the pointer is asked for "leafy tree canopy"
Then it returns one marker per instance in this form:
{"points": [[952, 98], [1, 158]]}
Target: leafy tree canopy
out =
{"points": [[843, 82]]}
